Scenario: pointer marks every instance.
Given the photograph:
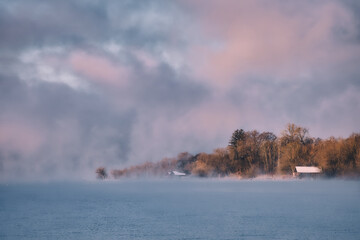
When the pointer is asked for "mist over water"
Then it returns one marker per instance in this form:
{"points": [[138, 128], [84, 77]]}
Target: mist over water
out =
{"points": [[144, 87], [182, 208]]}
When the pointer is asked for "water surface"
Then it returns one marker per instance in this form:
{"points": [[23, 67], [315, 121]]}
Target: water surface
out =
{"points": [[181, 209]]}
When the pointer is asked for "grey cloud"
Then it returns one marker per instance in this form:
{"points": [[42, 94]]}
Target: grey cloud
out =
{"points": [[39, 23], [166, 90], [155, 114], [354, 7], [325, 102], [84, 130], [81, 130]]}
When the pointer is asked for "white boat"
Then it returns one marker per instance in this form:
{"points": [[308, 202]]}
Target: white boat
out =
{"points": [[176, 173]]}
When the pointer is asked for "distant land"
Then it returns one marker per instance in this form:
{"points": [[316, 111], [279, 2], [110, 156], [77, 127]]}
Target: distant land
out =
{"points": [[251, 153]]}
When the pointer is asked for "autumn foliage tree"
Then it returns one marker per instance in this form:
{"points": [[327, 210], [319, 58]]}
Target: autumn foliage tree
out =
{"points": [[339, 156], [268, 152], [250, 153], [294, 148]]}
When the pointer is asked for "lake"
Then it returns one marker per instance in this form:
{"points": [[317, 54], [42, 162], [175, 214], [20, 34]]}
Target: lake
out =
{"points": [[183, 208]]}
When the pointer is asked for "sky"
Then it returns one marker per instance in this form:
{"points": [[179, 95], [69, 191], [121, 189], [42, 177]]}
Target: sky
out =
{"points": [[91, 83]]}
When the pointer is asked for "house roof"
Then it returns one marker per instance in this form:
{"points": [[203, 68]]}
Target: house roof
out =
{"points": [[310, 169]]}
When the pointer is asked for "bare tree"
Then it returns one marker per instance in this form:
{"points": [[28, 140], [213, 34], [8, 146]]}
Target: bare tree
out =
{"points": [[101, 173]]}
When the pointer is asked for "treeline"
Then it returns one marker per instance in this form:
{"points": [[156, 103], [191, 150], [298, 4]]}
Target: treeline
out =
{"points": [[250, 153]]}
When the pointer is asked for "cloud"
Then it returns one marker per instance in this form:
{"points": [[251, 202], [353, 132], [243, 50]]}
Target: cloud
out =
{"points": [[51, 130], [99, 68], [17, 136], [279, 62], [113, 83], [48, 65], [39, 23], [281, 40]]}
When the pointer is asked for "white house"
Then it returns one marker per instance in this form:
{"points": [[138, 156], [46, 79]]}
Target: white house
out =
{"points": [[301, 171]]}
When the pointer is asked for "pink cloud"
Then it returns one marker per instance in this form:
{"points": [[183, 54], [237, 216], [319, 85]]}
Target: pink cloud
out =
{"points": [[146, 59], [19, 136], [99, 68], [258, 37]]}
